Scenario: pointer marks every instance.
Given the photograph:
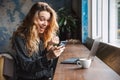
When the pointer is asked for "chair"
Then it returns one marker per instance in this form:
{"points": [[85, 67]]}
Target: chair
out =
{"points": [[6, 67]]}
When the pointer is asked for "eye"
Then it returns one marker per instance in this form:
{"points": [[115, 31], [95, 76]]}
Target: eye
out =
{"points": [[48, 20], [42, 19]]}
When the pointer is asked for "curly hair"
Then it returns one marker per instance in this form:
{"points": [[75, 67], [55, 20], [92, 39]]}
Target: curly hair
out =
{"points": [[27, 28]]}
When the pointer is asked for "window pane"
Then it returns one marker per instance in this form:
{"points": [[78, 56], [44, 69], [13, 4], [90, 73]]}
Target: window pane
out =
{"points": [[118, 27]]}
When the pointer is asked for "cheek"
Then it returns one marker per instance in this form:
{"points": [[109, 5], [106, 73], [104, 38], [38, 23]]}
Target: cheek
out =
{"points": [[40, 22], [48, 23]]}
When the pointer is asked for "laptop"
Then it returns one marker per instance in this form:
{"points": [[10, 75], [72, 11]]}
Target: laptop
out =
{"points": [[91, 55]]}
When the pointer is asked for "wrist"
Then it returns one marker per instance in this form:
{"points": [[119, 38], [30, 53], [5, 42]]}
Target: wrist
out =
{"points": [[50, 56]]}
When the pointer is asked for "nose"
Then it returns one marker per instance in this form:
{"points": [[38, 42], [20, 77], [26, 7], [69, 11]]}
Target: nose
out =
{"points": [[45, 23]]}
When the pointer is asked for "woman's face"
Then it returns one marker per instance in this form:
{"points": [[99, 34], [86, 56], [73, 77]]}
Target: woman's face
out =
{"points": [[43, 21]]}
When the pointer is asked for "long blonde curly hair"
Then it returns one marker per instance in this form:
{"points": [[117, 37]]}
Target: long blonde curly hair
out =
{"points": [[27, 28]]}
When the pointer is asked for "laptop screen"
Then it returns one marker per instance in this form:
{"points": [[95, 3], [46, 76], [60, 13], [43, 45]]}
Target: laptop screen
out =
{"points": [[94, 49], [92, 54]]}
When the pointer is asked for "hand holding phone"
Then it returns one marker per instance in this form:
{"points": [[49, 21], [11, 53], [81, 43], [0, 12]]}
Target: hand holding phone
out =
{"points": [[62, 43]]}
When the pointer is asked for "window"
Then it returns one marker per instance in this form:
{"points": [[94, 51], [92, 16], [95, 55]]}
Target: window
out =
{"points": [[96, 19], [114, 22], [105, 24], [118, 20]]}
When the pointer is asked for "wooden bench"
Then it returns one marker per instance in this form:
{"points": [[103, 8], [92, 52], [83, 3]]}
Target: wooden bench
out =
{"points": [[108, 54]]}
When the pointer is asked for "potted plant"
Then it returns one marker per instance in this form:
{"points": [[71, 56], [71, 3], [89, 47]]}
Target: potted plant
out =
{"points": [[67, 23]]}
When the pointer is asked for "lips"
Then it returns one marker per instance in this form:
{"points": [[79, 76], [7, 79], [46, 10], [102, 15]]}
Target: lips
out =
{"points": [[41, 29]]}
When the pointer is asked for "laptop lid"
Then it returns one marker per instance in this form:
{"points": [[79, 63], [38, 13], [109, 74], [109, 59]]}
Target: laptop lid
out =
{"points": [[94, 49], [92, 54]]}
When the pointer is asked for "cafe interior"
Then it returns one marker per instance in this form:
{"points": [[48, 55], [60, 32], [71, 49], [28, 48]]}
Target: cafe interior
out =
{"points": [[81, 24]]}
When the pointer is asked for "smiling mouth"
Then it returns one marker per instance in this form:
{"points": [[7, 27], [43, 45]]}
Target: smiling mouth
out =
{"points": [[41, 29]]}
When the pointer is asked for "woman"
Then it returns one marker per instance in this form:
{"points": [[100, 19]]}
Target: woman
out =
{"points": [[34, 43]]}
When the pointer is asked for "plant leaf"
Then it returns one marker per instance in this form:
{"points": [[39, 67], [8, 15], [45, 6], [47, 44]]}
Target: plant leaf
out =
{"points": [[61, 21]]}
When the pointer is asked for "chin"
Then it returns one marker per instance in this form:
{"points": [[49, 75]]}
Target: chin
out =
{"points": [[41, 32]]}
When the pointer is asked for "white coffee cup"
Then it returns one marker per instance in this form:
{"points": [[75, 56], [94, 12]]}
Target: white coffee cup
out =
{"points": [[84, 63]]}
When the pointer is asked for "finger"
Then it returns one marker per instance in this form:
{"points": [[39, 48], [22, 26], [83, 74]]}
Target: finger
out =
{"points": [[53, 47], [55, 40], [60, 47]]}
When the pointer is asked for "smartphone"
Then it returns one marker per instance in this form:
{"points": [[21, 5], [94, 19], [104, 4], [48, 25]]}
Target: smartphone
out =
{"points": [[62, 43]]}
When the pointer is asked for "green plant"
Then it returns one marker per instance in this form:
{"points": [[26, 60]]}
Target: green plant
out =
{"points": [[67, 22]]}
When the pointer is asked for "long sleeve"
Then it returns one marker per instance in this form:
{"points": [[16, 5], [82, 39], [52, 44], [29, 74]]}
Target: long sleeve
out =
{"points": [[25, 62]]}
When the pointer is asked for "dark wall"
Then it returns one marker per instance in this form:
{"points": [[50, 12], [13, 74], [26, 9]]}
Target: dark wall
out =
{"points": [[12, 12]]}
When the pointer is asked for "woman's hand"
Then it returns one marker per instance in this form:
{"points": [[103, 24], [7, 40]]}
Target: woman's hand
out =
{"points": [[54, 42], [55, 51]]}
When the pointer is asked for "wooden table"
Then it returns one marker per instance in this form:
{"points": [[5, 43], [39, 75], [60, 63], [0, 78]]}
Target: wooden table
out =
{"points": [[97, 71]]}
